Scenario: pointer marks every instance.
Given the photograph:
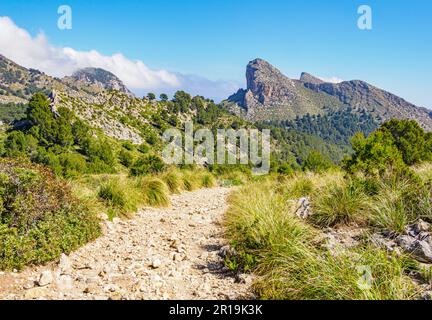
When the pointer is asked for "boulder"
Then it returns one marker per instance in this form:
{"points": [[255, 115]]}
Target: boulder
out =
{"points": [[420, 249]]}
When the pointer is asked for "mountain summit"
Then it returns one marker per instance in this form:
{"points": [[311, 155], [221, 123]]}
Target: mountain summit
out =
{"points": [[308, 78], [100, 78], [270, 95]]}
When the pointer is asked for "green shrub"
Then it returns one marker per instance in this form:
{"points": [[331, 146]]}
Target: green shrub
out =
{"points": [[128, 145], [73, 164], [126, 158], [147, 165], [143, 148], [39, 219], [316, 162]]}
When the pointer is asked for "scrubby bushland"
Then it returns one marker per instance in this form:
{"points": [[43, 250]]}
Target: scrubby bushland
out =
{"points": [[39, 219], [60, 140], [149, 164]]}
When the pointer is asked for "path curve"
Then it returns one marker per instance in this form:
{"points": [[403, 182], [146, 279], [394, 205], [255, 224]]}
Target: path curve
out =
{"points": [[169, 253]]}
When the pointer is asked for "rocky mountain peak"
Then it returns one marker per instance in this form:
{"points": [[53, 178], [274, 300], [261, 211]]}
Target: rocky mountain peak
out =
{"points": [[308, 78], [262, 76], [100, 78], [270, 95]]}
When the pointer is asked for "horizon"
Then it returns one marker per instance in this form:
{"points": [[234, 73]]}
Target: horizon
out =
{"points": [[203, 48]]}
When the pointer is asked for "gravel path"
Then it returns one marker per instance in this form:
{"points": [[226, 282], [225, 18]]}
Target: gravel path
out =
{"points": [[170, 253]]}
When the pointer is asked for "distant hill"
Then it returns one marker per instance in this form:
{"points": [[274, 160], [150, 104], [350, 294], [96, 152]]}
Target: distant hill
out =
{"points": [[97, 77], [270, 95]]}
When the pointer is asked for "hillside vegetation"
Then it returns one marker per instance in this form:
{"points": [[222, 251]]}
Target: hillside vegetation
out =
{"points": [[342, 234]]}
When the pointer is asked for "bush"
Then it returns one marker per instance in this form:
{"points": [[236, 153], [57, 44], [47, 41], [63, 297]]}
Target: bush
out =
{"points": [[39, 219], [397, 143], [126, 158], [73, 164], [316, 162], [147, 165]]}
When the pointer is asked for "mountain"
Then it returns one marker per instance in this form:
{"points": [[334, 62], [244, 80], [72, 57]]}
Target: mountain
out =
{"points": [[270, 95], [18, 84], [101, 100], [99, 78], [308, 78]]}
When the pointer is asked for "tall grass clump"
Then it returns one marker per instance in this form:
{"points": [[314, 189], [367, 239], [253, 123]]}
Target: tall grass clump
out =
{"points": [[341, 203], [397, 204], [290, 262], [190, 181], [154, 192], [259, 219], [208, 180], [367, 273], [120, 196], [174, 181]]}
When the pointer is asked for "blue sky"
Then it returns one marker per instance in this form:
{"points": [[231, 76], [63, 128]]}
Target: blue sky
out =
{"points": [[216, 39]]}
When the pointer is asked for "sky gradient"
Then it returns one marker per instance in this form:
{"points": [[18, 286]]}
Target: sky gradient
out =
{"points": [[207, 44]]}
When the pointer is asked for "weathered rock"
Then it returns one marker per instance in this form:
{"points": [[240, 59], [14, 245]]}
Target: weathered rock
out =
{"points": [[65, 264], [421, 228], [420, 249], [227, 251], [427, 295], [270, 95], [45, 278]]}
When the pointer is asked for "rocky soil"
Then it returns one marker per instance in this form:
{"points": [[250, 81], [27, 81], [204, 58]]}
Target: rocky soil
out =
{"points": [[170, 253]]}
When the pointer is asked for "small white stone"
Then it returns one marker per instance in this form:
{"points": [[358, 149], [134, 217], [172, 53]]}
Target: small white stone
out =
{"points": [[45, 278], [156, 263]]}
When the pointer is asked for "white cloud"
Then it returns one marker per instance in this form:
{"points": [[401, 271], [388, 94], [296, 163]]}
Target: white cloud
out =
{"points": [[331, 79], [36, 52]]}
